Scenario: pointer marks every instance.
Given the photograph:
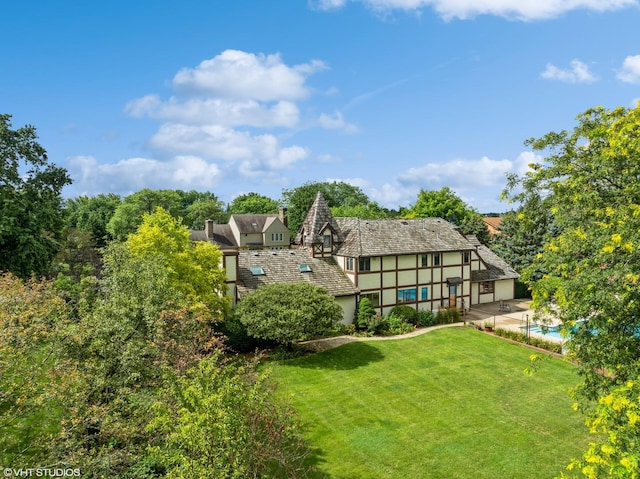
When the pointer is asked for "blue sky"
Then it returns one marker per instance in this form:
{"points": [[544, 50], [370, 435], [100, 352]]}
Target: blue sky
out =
{"points": [[240, 96]]}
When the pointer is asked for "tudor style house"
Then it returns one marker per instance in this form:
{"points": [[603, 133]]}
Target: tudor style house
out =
{"points": [[425, 263]]}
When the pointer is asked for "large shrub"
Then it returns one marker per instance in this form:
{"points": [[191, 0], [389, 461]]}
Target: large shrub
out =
{"points": [[405, 312]]}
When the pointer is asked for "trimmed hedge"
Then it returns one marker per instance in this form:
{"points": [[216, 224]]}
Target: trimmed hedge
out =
{"points": [[533, 341]]}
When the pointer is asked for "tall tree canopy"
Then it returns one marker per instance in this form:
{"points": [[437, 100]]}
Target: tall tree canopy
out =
{"points": [[445, 204], [194, 268], [92, 214], [299, 200], [253, 203], [192, 206], [30, 202], [590, 182]]}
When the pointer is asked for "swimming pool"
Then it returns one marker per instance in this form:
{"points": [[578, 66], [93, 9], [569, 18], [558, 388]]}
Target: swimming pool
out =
{"points": [[549, 331]]}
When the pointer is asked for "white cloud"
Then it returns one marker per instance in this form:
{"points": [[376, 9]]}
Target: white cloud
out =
{"points": [[240, 75], [336, 122], [577, 73], [220, 142], [525, 10], [216, 111], [630, 72], [133, 174], [470, 179]]}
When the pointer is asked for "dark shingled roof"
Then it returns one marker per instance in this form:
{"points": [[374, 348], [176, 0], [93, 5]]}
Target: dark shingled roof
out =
{"points": [[252, 223], [282, 266], [497, 268], [222, 236], [318, 217], [398, 236]]}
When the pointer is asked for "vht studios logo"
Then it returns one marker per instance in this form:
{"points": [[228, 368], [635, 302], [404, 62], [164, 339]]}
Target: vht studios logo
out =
{"points": [[41, 472]]}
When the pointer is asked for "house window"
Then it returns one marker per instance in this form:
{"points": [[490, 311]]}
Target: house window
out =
{"points": [[486, 287], [364, 264], [406, 295], [436, 259], [424, 260], [349, 264], [466, 257], [374, 298], [424, 293], [326, 241], [276, 237]]}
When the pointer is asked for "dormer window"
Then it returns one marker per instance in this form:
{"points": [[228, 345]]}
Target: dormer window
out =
{"points": [[326, 241]]}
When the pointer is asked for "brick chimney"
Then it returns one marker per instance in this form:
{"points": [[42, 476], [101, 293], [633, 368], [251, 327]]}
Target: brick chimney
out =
{"points": [[208, 228], [282, 214]]}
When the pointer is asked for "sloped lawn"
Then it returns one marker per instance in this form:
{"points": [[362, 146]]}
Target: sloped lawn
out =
{"points": [[452, 403]]}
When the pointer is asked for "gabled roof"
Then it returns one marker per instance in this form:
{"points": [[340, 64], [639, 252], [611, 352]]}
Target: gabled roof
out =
{"points": [[222, 236], [497, 268], [252, 223], [398, 236], [316, 221], [283, 266], [493, 224]]}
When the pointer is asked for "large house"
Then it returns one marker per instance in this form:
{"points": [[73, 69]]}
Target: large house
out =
{"points": [[426, 263]]}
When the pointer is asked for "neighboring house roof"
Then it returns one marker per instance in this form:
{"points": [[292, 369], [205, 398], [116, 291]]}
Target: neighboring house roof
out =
{"points": [[221, 235], [397, 236], [497, 268], [493, 224], [252, 223], [283, 266], [318, 218]]}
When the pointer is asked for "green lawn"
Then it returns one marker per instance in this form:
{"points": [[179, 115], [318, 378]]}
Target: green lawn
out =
{"points": [[453, 403]]}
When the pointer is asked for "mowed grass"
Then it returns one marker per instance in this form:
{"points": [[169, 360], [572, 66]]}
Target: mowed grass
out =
{"points": [[452, 403]]}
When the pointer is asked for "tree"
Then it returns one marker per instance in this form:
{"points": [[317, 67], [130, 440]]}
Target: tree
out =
{"points": [[92, 214], [128, 214], [445, 204], [221, 420], [299, 200], [589, 179], [288, 313], [253, 203], [30, 202], [194, 268], [369, 211], [33, 368]]}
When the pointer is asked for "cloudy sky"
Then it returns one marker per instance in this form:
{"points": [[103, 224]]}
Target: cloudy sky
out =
{"points": [[240, 96]]}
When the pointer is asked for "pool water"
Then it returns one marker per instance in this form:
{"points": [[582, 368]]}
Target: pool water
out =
{"points": [[550, 331]]}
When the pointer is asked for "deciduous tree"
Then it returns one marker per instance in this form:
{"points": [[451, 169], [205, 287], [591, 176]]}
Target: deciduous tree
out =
{"points": [[30, 202], [253, 203], [590, 182]]}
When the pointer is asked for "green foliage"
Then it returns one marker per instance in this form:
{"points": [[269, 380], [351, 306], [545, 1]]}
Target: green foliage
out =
{"points": [[532, 340], [192, 206], [397, 324], [92, 214], [445, 204], [615, 422], [288, 313], [33, 368], [369, 211], [30, 202], [194, 268], [252, 203], [365, 312], [523, 234], [299, 200], [426, 318], [589, 179], [405, 312], [448, 316], [220, 421]]}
